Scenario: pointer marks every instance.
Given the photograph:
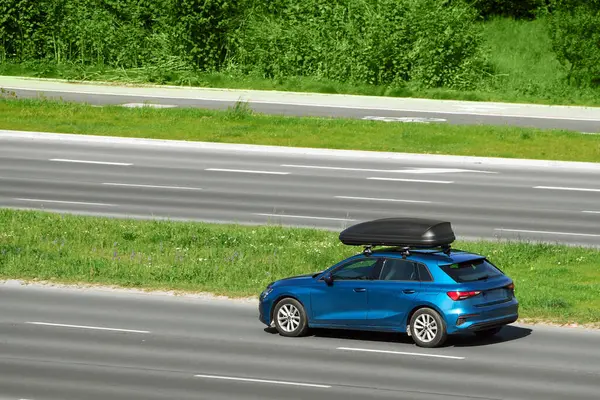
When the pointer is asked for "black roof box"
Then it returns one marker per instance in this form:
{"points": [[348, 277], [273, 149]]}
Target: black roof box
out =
{"points": [[401, 232]]}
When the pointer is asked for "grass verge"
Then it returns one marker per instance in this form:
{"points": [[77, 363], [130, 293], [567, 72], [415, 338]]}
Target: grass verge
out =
{"points": [[240, 125], [554, 283]]}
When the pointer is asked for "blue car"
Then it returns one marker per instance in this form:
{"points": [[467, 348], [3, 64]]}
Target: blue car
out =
{"points": [[421, 287]]}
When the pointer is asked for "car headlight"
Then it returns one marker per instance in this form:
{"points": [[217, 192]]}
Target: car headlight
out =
{"points": [[266, 292]]}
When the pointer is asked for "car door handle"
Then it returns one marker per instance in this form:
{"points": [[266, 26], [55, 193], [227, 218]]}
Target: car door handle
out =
{"points": [[360, 289], [408, 291]]}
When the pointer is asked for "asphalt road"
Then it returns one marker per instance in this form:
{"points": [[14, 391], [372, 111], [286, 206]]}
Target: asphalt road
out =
{"points": [[328, 189], [82, 344], [581, 119]]}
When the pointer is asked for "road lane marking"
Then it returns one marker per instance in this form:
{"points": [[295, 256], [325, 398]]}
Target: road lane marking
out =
{"points": [[376, 199], [153, 105], [566, 188], [89, 162], [394, 171], [247, 171], [423, 120], [399, 353], [407, 180], [233, 378], [87, 327], [336, 168], [547, 232], [442, 171], [151, 186], [591, 212], [304, 216], [67, 202]]}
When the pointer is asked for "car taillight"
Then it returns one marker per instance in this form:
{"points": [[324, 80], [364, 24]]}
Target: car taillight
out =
{"points": [[457, 295], [511, 286]]}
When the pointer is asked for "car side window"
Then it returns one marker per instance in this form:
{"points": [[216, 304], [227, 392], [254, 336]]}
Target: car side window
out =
{"points": [[357, 270], [399, 270], [424, 274]]}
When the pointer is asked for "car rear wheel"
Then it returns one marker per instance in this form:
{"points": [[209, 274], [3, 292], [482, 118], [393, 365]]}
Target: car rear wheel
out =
{"points": [[487, 333], [427, 328], [290, 318]]}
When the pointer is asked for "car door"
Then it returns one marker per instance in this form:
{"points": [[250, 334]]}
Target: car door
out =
{"points": [[393, 293], [344, 302]]}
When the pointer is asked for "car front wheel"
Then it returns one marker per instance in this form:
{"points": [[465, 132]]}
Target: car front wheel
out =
{"points": [[427, 328], [290, 318]]}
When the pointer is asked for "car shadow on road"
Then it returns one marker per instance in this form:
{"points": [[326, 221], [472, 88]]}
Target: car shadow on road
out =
{"points": [[507, 334]]}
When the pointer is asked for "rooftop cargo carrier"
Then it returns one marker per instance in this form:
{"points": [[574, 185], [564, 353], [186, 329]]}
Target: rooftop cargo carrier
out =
{"points": [[400, 232]]}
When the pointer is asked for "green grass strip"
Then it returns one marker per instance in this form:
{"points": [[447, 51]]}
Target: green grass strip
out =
{"points": [[240, 125], [553, 283]]}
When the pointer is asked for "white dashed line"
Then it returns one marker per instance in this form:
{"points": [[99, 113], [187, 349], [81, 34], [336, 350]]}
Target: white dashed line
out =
{"points": [[89, 162], [139, 105], [591, 212], [151, 186], [400, 353], [408, 180], [567, 188], [86, 327], [247, 171], [233, 378], [376, 199], [547, 232]]}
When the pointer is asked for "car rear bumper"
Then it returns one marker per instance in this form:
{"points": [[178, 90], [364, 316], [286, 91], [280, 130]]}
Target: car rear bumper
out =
{"points": [[480, 326], [474, 319]]}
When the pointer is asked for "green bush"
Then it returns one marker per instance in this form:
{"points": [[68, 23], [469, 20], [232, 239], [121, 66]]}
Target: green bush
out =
{"points": [[202, 29], [112, 32], [362, 41], [575, 33], [519, 9]]}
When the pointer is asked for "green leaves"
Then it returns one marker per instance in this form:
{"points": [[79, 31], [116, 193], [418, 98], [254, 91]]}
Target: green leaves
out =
{"points": [[575, 33]]}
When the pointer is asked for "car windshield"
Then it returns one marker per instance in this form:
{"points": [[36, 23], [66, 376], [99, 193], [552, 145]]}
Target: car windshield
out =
{"points": [[470, 271]]}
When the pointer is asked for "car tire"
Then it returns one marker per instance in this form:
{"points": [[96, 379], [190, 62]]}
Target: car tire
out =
{"points": [[289, 317], [427, 328], [488, 333]]}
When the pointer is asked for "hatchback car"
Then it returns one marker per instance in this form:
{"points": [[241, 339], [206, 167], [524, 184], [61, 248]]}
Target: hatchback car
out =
{"points": [[423, 288]]}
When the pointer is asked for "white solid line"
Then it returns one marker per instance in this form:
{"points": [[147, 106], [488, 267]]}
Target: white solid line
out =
{"points": [[247, 171], [394, 171], [88, 162], [407, 180], [548, 232], [566, 188], [400, 353], [151, 186], [303, 216], [375, 199], [87, 327], [232, 378], [67, 202], [591, 212]]}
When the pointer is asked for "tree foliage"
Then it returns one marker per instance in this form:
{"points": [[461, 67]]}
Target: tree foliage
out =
{"points": [[575, 33]]}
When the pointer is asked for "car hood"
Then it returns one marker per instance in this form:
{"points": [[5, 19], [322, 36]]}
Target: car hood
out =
{"points": [[293, 280]]}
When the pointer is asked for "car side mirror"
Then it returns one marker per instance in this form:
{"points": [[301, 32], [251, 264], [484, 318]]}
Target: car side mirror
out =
{"points": [[328, 278]]}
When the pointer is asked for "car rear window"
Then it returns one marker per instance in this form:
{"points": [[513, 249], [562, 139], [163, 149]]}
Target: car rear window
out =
{"points": [[471, 271]]}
